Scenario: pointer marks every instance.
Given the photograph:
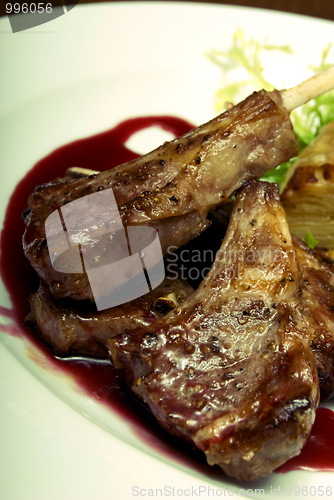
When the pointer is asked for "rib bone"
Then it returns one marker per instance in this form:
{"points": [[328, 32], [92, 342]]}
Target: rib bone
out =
{"points": [[309, 89]]}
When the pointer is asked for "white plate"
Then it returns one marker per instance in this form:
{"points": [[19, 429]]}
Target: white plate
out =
{"points": [[75, 76]]}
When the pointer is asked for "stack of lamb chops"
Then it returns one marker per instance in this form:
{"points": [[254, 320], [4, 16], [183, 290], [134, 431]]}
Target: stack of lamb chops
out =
{"points": [[230, 367]]}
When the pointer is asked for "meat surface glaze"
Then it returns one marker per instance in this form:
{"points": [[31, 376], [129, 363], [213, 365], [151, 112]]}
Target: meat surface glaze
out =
{"points": [[231, 369]]}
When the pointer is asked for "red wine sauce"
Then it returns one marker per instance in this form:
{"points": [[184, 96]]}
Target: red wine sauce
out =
{"points": [[99, 379]]}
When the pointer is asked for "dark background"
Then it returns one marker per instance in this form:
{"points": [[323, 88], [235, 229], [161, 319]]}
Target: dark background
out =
{"points": [[317, 8]]}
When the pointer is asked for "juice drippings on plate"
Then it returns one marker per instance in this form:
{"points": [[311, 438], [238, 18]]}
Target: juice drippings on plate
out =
{"points": [[99, 379]]}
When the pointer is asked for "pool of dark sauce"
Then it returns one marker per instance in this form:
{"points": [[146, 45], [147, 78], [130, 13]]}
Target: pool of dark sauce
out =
{"points": [[100, 380]]}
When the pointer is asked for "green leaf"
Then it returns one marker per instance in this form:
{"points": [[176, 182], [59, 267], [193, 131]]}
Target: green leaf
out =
{"points": [[244, 54], [283, 48], [278, 174], [227, 94], [308, 120], [310, 241], [323, 64]]}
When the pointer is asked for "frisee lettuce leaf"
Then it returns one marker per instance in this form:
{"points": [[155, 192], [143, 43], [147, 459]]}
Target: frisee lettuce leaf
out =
{"points": [[324, 64], [246, 54], [278, 174], [312, 117]]}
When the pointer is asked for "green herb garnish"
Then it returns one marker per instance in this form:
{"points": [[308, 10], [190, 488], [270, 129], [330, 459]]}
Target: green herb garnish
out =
{"points": [[310, 241], [243, 54], [278, 174]]}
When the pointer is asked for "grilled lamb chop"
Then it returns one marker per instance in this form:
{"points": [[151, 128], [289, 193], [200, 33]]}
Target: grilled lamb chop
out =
{"points": [[229, 370], [177, 183], [76, 327], [317, 298]]}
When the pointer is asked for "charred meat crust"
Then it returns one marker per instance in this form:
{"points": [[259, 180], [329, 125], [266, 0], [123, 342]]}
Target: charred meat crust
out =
{"points": [[182, 179], [230, 370]]}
